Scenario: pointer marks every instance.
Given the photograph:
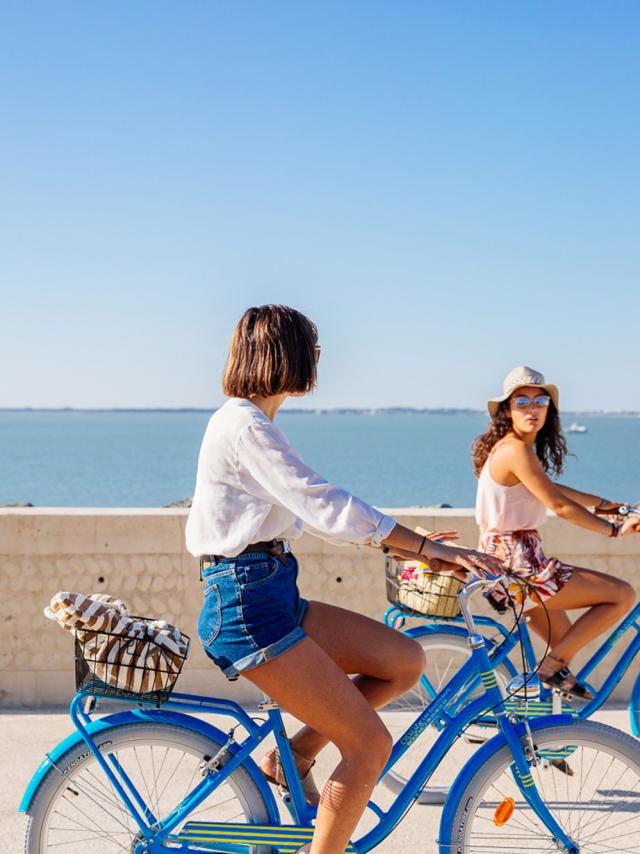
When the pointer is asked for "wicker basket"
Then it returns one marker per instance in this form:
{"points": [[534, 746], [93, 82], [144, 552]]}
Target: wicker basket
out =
{"points": [[434, 594]]}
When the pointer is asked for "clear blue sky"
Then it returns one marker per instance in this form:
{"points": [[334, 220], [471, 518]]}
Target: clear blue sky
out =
{"points": [[447, 189]]}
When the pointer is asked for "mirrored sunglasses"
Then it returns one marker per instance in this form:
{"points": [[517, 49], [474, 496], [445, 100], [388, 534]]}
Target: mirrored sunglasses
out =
{"points": [[522, 401]]}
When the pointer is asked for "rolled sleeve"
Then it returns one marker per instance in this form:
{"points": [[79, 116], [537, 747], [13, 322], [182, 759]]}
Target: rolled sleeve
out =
{"points": [[385, 526]]}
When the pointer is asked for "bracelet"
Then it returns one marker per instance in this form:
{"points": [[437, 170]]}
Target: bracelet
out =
{"points": [[424, 540]]}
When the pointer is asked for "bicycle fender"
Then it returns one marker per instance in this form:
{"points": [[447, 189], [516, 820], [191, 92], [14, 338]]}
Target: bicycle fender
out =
{"points": [[102, 726], [476, 761]]}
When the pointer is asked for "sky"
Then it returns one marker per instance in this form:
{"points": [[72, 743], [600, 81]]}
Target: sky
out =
{"points": [[447, 189]]}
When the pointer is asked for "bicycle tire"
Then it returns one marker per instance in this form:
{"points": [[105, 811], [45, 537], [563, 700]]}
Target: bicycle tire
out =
{"points": [[98, 823], [573, 798], [634, 707], [437, 646]]}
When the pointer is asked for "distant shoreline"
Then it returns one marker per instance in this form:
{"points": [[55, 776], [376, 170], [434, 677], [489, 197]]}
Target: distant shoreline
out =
{"points": [[364, 410]]}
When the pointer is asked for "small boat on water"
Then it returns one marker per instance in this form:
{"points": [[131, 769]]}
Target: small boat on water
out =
{"points": [[576, 428]]}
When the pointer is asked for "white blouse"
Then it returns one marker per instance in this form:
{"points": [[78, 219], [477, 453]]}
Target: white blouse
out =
{"points": [[252, 486]]}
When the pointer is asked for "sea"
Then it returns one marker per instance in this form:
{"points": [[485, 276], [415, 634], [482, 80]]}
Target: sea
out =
{"points": [[391, 459]]}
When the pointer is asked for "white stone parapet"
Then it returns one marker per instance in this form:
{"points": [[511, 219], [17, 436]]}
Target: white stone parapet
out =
{"points": [[139, 556]]}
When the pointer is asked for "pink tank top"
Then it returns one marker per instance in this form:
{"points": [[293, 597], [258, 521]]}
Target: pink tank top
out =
{"points": [[506, 508]]}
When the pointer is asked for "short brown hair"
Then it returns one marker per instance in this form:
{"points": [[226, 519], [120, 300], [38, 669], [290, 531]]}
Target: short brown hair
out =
{"points": [[272, 352]]}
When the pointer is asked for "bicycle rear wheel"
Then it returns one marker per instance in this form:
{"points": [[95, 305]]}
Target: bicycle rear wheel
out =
{"points": [[79, 812], [445, 653], [593, 791]]}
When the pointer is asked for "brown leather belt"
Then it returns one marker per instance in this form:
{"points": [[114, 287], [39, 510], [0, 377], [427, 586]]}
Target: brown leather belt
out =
{"points": [[272, 547]]}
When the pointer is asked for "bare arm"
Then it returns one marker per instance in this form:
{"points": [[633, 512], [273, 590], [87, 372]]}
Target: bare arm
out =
{"points": [[434, 536], [586, 499], [565, 502], [407, 544]]}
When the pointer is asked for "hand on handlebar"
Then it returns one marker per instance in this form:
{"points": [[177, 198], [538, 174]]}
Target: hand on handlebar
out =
{"points": [[608, 508], [454, 558]]}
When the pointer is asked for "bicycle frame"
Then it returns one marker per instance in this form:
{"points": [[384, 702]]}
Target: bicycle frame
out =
{"points": [[231, 756], [234, 754], [621, 666]]}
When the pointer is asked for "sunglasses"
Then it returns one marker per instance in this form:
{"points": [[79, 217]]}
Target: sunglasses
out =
{"points": [[524, 402]]}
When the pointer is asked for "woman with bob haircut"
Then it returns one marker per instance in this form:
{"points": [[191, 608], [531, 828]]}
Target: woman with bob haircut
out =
{"points": [[253, 496], [513, 459]]}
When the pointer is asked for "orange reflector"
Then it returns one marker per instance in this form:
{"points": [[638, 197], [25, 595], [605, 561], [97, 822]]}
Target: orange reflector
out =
{"points": [[504, 812]]}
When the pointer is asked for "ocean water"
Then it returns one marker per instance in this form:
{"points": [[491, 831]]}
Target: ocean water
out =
{"points": [[147, 459]]}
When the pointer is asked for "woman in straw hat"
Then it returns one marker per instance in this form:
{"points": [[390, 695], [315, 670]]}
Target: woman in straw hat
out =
{"points": [[513, 461], [253, 496]]}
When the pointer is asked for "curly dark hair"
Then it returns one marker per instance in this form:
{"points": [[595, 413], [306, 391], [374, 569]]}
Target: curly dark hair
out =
{"points": [[551, 446]]}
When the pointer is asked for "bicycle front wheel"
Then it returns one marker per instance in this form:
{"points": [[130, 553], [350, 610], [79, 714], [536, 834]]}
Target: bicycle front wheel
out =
{"points": [[588, 775], [76, 810]]}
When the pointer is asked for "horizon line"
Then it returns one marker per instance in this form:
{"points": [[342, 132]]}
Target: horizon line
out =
{"points": [[318, 410]]}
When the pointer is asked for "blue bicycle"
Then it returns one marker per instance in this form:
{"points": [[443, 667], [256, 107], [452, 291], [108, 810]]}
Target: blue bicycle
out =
{"points": [[444, 640], [154, 779]]}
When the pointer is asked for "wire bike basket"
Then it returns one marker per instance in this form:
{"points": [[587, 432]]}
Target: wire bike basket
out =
{"points": [[116, 653], [142, 665], [411, 588]]}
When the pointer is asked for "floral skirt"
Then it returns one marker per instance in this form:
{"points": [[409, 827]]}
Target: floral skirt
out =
{"points": [[521, 552]]}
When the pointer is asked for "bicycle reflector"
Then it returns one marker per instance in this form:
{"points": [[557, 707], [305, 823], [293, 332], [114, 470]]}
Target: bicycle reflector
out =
{"points": [[504, 812]]}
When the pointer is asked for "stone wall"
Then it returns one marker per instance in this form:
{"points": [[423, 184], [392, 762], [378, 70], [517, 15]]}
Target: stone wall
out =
{"points": [[139, 555]]}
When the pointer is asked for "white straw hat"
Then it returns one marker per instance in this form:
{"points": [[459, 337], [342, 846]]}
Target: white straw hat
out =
{"points": [[522, 376]]}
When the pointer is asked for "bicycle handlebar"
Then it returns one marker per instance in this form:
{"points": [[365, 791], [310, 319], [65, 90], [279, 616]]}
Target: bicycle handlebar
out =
{"points": [[628, 510], [467, 592]]}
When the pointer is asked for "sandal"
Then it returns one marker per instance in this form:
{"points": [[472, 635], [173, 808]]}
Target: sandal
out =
{"points": [[311, 793], [564, 681]]}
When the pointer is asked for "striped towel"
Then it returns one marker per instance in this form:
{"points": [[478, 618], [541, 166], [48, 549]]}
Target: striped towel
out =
{"points": [[139, 655]]}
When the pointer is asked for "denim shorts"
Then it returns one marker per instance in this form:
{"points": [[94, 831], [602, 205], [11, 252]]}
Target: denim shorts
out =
{"points": [[252, 610]]}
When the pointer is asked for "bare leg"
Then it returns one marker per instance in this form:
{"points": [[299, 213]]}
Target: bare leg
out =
{"points": [[551, 626], [309, 684], [608, 600], [387, 662]]}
